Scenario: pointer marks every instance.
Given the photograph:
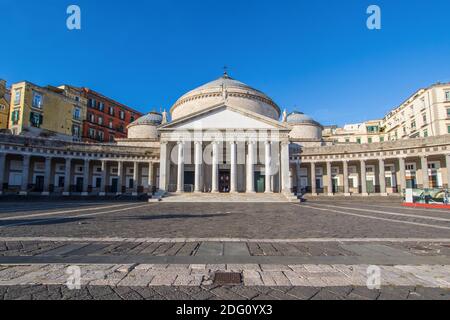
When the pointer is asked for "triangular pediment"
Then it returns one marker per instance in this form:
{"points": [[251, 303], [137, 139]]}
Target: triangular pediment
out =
{"points": [[223, 117]]}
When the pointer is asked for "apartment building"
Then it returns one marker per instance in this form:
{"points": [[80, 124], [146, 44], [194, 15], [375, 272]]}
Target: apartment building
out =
{"points": [[106, 119], [425, 114], [5, 98], [42, 111]]}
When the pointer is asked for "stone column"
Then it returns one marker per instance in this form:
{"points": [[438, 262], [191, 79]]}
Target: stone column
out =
{"points": [[180, 175], [382, 177], [425, 173], [198, 150], [285, 168], [329, 180], [267, 172], [251, 167], [2, 171], [47, 176], [104, 177], [119, 177], [67, 177], [163, 168], [151, 173], [298, 176], [86, 178], [135, 179], [25, 175], [313, 179], [233, 171], [402, 173], [447, 164], [363, 178], [215, 168], [346, 185]]}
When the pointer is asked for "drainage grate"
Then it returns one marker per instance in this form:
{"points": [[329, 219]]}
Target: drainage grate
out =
{"points": [[227, 278]]}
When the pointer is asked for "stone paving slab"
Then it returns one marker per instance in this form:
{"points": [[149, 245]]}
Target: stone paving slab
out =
{"points": [[97, 247], [254, 275]]}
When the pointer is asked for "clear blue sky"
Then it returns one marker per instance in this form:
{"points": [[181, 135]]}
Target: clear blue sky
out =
{"points": [[315, 55]]}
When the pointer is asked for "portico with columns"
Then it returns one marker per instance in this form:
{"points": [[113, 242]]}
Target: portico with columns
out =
{"points": [[247, 155]]}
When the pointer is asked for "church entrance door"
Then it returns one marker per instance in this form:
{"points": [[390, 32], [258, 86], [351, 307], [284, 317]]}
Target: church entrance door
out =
{"points": [[224, 181]]}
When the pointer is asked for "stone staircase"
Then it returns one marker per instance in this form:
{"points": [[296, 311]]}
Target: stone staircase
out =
{"points": [[225, 198]]}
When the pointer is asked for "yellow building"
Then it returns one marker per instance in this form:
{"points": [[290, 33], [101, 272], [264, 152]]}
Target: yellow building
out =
{"points": [[5, 97], [44, 112]]}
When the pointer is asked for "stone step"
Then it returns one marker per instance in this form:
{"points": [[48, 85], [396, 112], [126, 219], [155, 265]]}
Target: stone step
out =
{"points": [[224, 197]]}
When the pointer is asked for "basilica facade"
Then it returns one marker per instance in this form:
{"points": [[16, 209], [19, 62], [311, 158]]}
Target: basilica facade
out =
{"points": [[223, 137]]}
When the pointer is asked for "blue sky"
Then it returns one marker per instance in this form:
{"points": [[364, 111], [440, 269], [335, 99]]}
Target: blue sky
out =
{"points": [[314, 56]]}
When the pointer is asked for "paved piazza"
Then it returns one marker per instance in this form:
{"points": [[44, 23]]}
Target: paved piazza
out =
{"points": [[320, 249]]}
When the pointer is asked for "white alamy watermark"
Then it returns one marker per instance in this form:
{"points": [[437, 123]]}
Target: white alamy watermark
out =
{"points": [[73, 21], [374, 19], [373, 278], [74, 280]]}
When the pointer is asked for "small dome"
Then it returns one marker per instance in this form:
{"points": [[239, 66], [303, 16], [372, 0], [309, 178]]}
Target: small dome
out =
{"points": [[145, 127], [297, 117], [304, 127], [152, 118]]}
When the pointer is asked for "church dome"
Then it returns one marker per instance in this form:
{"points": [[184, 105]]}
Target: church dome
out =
{"points": [[145, 127], [304, 127], [297, 117], [226, 88]]}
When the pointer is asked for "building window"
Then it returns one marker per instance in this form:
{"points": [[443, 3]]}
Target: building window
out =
{"points": [[2, 107], [373, 129], [111, 111], [424, 118], [76, 113], [111, 138], [448, 112], [121, 128], [448, 129], [92, 118], [76, 132], [36, 119], [447, 95], [132, 119], [15, 117], [370, 140], [347, 140], [425, 133], [122, 114], [413, 125], [101, 106], [381, 139], [37, 100], [91, 133], [358, 140], [111, 124], [92, 103], [17, 96], [101, 136], [100, 121], [98, 182]]}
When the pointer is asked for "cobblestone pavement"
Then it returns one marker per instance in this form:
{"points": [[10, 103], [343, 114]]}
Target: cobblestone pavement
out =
{"points": [[315, 219], [52, 292]]}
